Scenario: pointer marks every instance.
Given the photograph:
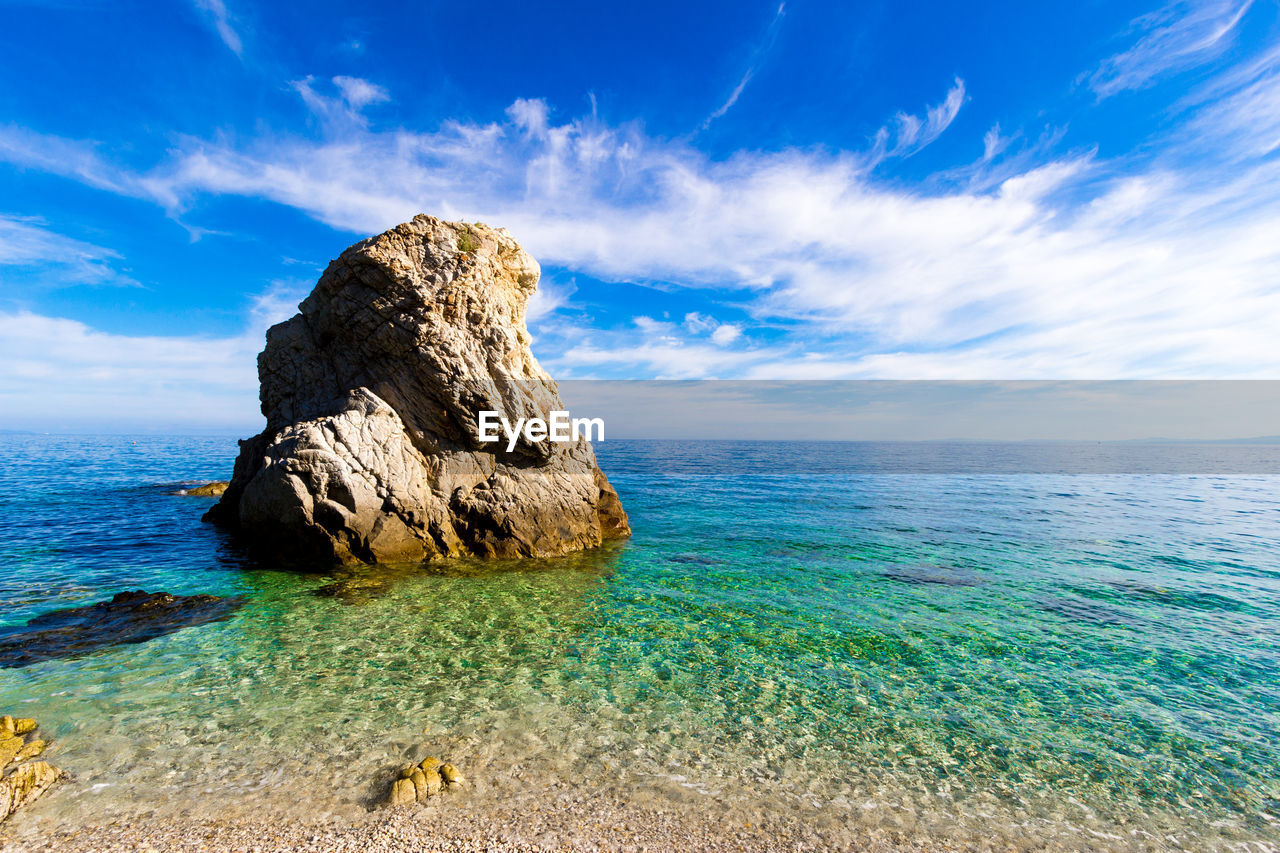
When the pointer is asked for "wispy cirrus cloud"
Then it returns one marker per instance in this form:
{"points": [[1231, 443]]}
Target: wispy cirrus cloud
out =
{"points": [[345, 107], [1239, 109], [1183, 34], [57, 259], [757, 56], [910, 133], [216, 13]]}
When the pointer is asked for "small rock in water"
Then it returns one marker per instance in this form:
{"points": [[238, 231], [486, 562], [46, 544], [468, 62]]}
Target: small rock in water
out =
{"points": [[452, 778], [21, 783], [422, 784], [29, 781], [418, 783], [402, 793], [433, 782], [208, 490], [9, 748]]}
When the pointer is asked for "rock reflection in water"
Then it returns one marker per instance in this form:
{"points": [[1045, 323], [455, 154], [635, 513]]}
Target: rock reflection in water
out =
{"points": [[359, 584]]}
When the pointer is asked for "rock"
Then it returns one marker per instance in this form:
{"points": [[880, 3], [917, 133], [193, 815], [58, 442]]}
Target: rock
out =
{"points": [[453, 780], [426, 780], [372, 392], [9, 749], [434, 782], [21, 783], [27, 783], [425, 786], [31, 750], [402, 793], [129, 617], [208, 490]]}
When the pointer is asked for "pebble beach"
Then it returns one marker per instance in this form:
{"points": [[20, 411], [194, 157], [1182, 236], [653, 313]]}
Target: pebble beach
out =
{"points": [[568, 824]]}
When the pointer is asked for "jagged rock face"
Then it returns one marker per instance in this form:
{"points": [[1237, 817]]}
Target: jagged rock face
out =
{"points": [[372, 394]]}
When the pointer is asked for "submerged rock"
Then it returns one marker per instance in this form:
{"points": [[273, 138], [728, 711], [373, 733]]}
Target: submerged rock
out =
{"points": [[372, 395], [129, 617]]}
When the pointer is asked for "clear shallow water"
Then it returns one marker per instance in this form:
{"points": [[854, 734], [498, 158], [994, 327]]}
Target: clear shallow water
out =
{"points": [[1077, 660]]}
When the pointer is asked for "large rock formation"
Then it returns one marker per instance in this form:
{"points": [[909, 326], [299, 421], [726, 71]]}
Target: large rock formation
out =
{"points": [[372, 394]]}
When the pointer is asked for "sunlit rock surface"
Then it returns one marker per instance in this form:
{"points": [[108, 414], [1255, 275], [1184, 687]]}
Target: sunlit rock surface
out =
{"points": [[372, 394]]}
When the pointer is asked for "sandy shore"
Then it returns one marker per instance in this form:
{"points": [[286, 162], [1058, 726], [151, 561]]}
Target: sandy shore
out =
{"points": [[582, 825]]}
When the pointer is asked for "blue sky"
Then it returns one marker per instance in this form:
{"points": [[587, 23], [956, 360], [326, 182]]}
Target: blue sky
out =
{"points": [[717, 190]]}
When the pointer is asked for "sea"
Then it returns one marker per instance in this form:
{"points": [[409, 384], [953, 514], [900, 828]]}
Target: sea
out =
{"points": [[999, 646]]}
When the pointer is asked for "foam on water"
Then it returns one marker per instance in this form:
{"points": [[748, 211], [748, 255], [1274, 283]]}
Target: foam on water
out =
{"points": [[1013, 659]]}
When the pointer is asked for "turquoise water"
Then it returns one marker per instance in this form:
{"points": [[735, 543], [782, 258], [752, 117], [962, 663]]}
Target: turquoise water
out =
{"points": [[1014, 659]]}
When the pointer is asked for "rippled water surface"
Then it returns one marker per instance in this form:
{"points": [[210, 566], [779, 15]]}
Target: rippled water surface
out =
{"points": [[1079, 660]]}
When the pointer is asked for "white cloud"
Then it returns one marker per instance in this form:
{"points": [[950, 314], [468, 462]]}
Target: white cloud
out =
{"points": [[216, 10], [721, 334], [548, 298], [1240, 109], [913, 132], [343, 109], [64, 375], [1075, 267], [993, 143], [695, 322], [55, 258], [529, 115], [1181, 35], [719, 111], [725, 334], [360, 93], [277, 303], [664, 357]]}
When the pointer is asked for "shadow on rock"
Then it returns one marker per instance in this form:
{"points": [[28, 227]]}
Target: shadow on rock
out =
{"points": [[129, 617]]}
